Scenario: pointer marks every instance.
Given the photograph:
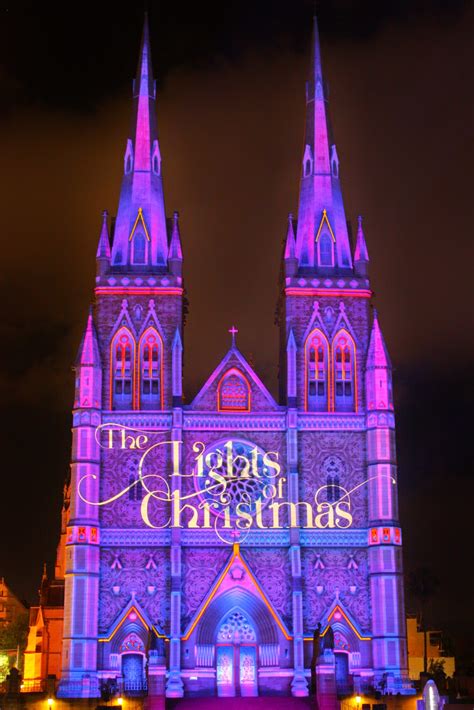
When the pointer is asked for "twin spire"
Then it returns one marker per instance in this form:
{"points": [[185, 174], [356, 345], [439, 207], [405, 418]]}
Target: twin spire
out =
{"points": [[141, 236], [322, 239]]}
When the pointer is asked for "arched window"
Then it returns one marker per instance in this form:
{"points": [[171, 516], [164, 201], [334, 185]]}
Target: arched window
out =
{"points": [[233, 392], [326, 250], [123, 357], [317, 384], [307, 168], [344, 372], [139, 247], [151, 361]]}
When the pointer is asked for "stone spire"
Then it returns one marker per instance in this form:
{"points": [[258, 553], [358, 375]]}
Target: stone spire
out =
{"points": [[291, 262], [103, 248], [361, 253], [175, 252], [321, 209], [141, 210]]}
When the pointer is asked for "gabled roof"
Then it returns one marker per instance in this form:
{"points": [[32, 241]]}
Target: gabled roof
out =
{"points": [[235, 559], [133, 607], [207, 395]]}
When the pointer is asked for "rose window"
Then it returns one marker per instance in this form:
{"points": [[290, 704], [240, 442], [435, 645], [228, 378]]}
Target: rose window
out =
{"points": [[234, 474]]}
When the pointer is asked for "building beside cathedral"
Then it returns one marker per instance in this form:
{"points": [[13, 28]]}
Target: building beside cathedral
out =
{"points": [[203, 542]]}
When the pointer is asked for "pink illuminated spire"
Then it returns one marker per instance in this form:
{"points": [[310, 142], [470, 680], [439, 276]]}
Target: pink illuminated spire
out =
{"points": [[290, 244], [142, 186], [175, 250], [377, 355], [103, 248], [361, 253], [88, 353], [320, 188]]}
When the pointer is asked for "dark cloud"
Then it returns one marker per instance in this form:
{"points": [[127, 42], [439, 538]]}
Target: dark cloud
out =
{"points": [[231, 103]]}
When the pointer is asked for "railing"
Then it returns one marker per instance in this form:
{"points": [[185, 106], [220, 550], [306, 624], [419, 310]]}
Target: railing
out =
{"points": [[134, 688], [33, 686]]}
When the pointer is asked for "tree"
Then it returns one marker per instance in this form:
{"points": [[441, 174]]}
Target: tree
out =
{"points": [[423, 586], [4, 666], [14, 635]]}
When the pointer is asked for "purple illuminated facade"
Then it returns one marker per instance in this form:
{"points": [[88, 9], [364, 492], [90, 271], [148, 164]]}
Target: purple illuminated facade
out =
{"points": [[182, 608]]}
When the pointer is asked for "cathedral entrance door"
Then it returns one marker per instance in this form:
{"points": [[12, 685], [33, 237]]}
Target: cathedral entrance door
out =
{"points": [[343, 679], [236, 657], [133, 673], [236, 671]]}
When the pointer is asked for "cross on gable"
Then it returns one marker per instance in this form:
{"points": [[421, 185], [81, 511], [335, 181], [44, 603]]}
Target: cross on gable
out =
{"points": [[233, 331]]}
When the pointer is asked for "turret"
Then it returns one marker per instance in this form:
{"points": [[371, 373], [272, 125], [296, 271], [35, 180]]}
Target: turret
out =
{"points": [[88, 370], [378, 371]]}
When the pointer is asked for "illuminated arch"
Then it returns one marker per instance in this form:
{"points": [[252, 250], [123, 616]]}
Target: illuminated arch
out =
{"points": [[317, 372], [344, 372], [150, 370], [233, 392], [122, 368]]}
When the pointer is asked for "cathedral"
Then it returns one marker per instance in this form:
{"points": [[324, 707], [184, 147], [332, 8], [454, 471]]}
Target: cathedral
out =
{"points": [[212, 547]]}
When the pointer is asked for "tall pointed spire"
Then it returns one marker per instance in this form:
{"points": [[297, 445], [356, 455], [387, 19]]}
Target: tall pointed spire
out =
{"points": [[143, 242], [321, 209]]}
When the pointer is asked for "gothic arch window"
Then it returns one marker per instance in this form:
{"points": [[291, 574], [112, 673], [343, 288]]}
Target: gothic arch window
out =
{"points": [[151, 370], [139, 248], [236, 627], [317, 372], [156, 165], [233, 392], [307, 168], [325, 250], [344, 369], [122, 367]]}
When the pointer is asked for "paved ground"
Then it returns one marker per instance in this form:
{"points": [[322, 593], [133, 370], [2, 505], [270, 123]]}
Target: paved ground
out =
{"points": [[268, 703]]}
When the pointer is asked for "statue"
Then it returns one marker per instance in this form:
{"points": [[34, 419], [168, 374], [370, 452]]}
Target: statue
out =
{"points": [[328, 640]]}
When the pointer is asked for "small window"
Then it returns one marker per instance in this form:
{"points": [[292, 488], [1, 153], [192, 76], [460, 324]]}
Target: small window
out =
{"points": [[326, 250], [317, 372], [344, 372], [150, 364], [234, 392], [307, 168], [139, 248], [123, 350]]}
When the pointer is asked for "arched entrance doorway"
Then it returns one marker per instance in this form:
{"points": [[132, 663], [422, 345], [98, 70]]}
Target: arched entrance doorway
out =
{"points": [[236, 656]]}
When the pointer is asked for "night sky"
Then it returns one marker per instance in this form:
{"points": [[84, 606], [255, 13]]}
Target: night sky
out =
{"points": [[231, 115]]}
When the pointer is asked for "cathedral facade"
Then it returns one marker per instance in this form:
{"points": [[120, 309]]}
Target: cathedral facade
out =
{"points": [[204, 542]]}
